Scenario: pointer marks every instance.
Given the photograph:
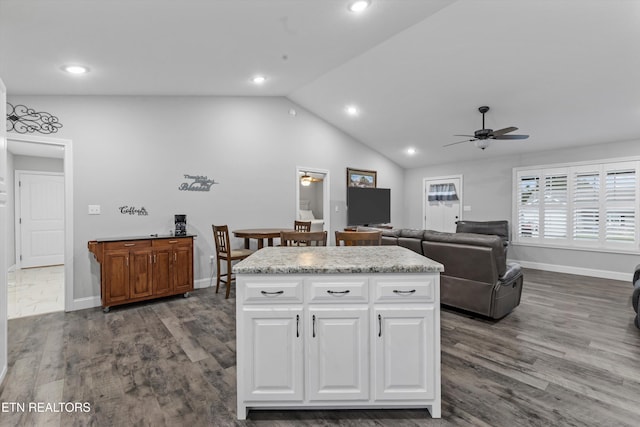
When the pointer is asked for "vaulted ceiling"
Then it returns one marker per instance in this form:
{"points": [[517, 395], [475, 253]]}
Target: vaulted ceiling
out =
{"points": [[563, 71]]}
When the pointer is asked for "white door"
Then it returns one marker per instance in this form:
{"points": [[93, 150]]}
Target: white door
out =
{"points": [[442, 203], [338, 354], [3, 231], [273, 349], [404, 355], [40, 218]]}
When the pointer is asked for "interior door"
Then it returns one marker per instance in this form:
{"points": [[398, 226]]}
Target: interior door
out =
{"points": [[3, 232], [41, 218], [443, 198]]}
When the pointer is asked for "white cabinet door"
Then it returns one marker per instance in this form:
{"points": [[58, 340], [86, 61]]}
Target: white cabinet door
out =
{"points": [[273, 350], [404, 354], [338, 353]]}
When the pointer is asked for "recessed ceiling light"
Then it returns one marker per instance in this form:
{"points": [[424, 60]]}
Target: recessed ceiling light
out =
{"points": [[352, 110], [75, 69], [259, 80], [359, 5], [411, 151]]}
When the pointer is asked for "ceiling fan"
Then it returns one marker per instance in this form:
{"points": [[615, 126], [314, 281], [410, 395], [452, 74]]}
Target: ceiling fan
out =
{"points": [[482, 136], [307, 179]]}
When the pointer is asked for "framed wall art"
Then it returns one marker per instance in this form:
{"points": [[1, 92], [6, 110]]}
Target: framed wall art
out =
{"points": [[361, 178]]}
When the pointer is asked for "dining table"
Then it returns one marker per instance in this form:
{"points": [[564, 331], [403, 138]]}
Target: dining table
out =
{"points": [[259, 234]]}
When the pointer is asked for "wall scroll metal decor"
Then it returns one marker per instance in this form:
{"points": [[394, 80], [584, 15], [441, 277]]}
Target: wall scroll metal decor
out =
{"points": [[132, 210], [200, 183], [22, 119]]}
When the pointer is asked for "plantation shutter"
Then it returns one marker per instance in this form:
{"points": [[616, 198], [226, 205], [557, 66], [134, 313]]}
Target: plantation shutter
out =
{"points": [[555, 205], [528, 206], [620, 205], [586, 205]]}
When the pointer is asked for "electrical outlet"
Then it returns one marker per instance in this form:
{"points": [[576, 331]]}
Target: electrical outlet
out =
{"points": [[211, 259], [94, 209]]}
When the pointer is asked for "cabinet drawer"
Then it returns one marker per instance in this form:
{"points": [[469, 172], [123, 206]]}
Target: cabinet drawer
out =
{"points": [[337, 290], [127, 244], [397, 289], [274, 291], [181, 241]]}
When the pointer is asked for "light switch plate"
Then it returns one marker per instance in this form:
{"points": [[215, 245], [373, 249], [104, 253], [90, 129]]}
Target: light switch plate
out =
{"points": [[467, 208], [94, 209]]}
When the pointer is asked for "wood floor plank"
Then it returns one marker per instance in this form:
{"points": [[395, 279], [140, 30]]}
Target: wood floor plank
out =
{"points": [[569, 355]]}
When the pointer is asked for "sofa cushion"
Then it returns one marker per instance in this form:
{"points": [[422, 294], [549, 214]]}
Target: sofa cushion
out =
{"points": [[491, 241], [415, 234], [497, 228], [411, 243]]}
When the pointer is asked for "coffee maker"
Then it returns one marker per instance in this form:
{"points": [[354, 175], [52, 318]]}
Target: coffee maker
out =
{"points": [[181, 225]]}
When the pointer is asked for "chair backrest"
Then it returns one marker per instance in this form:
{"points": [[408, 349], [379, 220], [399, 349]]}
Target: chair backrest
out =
{"points": [[221, 238], [302, 226], [303, 238], [359, 238]]}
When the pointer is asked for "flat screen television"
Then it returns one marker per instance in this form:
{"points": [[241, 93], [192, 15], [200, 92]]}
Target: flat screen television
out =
{"points": [[368, 206]]}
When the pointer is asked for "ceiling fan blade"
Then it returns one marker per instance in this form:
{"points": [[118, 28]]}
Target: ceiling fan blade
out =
{"points": [[459, 142], [471, 136], [503, 131], [512, 137]]}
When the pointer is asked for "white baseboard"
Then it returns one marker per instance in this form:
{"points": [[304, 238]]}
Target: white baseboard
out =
{"points": [[83, 303], [605, 274], [202, 283]]}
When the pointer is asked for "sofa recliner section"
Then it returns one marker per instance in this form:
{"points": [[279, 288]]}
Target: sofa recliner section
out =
{"points": [[476, 275]]}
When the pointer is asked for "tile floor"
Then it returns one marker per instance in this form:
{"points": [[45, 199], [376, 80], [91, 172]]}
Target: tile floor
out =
{"points": [[35, 291]]}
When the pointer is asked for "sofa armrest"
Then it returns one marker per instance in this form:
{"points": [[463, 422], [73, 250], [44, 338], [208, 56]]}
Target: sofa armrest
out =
{"points": [[636, 275], [635, 297], [513, 270]]}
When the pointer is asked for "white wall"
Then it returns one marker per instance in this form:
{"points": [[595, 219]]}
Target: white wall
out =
{"points": [[135, 151], [488, 190]]}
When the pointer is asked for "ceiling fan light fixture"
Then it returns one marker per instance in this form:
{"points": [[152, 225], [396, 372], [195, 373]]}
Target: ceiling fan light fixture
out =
{"points": [[305, 180], [75, 69], [352, 110], [481, 143]]}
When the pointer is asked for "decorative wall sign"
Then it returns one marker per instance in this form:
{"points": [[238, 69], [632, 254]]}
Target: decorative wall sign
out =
{"points": [[132, 210], [200, 183], [22, 119]]}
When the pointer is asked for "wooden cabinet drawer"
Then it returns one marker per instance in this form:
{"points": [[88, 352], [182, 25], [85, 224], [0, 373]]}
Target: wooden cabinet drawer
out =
{"points": [[127, 244], [337, 290], [272, 291], [178, 241], [403, 289]]}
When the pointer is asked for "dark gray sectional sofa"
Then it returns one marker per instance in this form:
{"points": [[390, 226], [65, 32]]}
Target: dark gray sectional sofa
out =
{"points": [[476, 275]]}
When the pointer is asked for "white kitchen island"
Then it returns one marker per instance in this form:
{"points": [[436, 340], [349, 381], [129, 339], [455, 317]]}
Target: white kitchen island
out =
{"points": [[337, 328]]}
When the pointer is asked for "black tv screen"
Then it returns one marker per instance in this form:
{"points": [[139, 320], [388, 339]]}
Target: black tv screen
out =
{"points": [[368, 206]]}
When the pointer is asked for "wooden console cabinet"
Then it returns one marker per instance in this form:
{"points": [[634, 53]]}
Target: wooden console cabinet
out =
{"points": [[137, 269]]}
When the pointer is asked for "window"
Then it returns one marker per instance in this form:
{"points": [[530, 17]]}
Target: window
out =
{"points": [[580, 205]]}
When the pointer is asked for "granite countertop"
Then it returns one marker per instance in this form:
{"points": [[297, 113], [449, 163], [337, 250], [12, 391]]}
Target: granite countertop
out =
{"points": [[336, 259], [147, 237]]}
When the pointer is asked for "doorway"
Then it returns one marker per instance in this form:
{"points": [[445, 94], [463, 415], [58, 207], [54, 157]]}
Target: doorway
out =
{"points": [[442, 201], [42, 228], [312, 197]]}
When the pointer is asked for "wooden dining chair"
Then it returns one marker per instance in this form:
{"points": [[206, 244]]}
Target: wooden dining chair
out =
{"points": [[303, 238], [302, 226], [358, 238], [225, 253]]}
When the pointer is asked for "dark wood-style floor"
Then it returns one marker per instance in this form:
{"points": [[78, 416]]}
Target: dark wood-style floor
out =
{"points": [[569, 355]]}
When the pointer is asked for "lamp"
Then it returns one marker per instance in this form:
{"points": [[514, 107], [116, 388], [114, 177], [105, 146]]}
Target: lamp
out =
{"points": [[482, 143], [305, 180]]}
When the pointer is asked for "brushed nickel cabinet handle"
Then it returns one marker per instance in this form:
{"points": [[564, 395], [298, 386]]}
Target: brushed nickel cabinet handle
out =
{"points": [[396, 291], [297, 326], [175, 256], [314, 326], [173, 241], [379, 325], [129, 244]]}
